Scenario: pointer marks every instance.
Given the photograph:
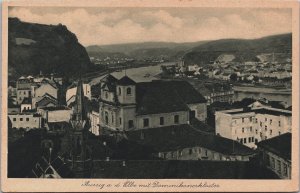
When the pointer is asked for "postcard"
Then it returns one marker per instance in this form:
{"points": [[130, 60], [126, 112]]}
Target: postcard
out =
{"points": [[150, 96]]}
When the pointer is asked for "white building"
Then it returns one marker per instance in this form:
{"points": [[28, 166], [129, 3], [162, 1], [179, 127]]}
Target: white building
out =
{"points": [[95, 121], [250, 126], [70, 95], [25, 120]]}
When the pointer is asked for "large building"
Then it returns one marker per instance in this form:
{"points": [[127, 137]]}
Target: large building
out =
{"points": [[25, 120], [127, 105], [276, 154], [183, 142], [252, 125]]}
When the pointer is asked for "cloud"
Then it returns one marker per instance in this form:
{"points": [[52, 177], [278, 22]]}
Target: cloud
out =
{"points": [[123, 25]]}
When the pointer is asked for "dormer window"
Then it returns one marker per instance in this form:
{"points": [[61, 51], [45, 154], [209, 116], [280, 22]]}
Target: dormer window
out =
{"points": [[128, 91], [119, 91]]}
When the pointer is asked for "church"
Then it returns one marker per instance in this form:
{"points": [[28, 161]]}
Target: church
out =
{"points": [[129, 105]]}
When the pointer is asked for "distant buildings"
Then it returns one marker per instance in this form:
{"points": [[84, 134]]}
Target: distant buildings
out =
{"points": [[252, 125], [127, 105], [276, 154]]}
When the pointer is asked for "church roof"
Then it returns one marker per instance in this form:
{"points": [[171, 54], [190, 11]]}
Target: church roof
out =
{"points": [[166, 96]]}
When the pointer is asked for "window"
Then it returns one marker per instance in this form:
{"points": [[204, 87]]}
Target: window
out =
{"points": [[27, 119], [205, 152], [272, 162], [270, 121], [285, 170], [266, 127], [21, 119], [120, 121], [279, 123], [250, 129], [190, 151], [270, 131], [161, 121], [241, 141], [119, 91], [266, 119], [243, 120], [250, 119], [176, 119], [249, 140], [130, 124], [256, 140], [14, 119], [128, 91], [180, 153], [24, 92], [172, 155], [245, 140], [279, 166], [112, 118], [256, 132], [146, 122], [243, 130], [106, 95], [279, 133], [266, 137], [260, 123], [106, 118]]}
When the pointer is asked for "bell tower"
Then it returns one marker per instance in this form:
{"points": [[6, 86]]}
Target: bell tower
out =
{"points": [[79, 155]]}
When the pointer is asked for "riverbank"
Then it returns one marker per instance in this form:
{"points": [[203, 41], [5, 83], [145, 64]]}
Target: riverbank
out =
{"points": [[269, 90]]}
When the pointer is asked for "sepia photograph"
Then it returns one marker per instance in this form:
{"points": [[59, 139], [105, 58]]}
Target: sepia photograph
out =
{"points": [[152, 92]]}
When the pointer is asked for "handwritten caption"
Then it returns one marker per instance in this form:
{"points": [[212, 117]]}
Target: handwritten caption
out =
{"points": [[154, 184]]}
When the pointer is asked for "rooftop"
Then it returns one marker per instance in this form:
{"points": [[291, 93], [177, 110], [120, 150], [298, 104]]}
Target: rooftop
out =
{"points": [[166, 96], [171, 138], [269, 111], [280, 145]]}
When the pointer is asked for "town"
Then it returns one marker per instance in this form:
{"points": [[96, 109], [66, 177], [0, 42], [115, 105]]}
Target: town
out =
{"points": [[184, 122]]}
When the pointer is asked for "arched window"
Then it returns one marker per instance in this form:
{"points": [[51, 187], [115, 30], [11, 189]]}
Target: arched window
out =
{"points": [[119, 91], [106, 118], [128, 91]]}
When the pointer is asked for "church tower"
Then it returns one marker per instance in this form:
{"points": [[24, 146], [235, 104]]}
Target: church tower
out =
{"points": [[79, 155]]}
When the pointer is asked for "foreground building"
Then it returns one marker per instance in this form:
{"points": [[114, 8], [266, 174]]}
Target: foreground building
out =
{"points": [[127, 105], [183, 142], [252, 125], [276, 154]]}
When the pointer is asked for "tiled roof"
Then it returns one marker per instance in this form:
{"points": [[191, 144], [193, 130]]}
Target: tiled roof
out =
{"points": [[165, 96], [172, 138], [280, 145]]}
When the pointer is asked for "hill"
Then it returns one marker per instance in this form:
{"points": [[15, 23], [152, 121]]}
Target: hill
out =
{"points": [[243, 50], [48, 48], [144, 50], [203, 52]]}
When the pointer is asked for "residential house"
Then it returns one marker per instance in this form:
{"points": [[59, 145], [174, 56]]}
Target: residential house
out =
{"points": [[26, 104], [252, 125], [276, 154], [71, 92], [26, 120], [55, 113]]}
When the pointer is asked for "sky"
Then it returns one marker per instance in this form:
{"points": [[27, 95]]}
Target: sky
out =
{"points": [[103, 26]]}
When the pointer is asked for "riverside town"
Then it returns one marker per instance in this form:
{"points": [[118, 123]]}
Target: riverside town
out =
{"points": [[112, 97]]}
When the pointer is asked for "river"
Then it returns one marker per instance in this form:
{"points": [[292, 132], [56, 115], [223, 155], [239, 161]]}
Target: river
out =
{"points": [[260, 92]]}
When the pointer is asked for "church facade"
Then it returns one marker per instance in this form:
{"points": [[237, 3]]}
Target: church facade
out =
{"points": [[127, 105]]}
